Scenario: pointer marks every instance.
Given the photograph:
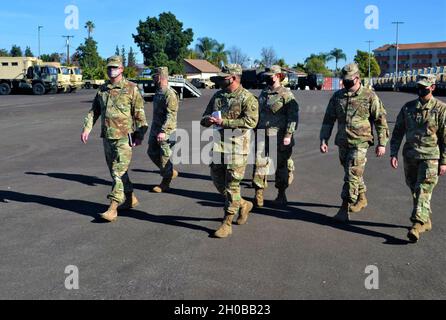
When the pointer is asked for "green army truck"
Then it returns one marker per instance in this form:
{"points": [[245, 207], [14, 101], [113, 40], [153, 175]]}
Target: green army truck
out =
{"points": [[26, 73], [63, 76]]}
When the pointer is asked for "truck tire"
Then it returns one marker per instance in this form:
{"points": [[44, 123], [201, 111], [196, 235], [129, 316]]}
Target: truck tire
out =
{"points": [[87, 85], [5, 89], [38, 89]]}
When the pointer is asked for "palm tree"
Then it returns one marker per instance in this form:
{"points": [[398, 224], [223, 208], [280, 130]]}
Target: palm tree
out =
{"points": [[281, 62], [338, 55], [90, 28], [205, 47], [219, 55], [325, 57], [191, 54]]}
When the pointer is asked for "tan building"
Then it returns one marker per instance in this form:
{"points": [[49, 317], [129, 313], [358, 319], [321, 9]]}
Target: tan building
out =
{"points": [[199, 69], [411, 56]]}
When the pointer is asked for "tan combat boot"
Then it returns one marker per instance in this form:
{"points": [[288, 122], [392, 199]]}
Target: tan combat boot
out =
{"points": [[281, 199], [343, 214], [165, 183], [418, 229], [164, 186], [111, 215], [225, 229], [130, 202], [245, 210], [175, 174], [259, 201], [360, 204]]}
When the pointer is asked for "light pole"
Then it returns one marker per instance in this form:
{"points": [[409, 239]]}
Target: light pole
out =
{"points": [[397, 47], [370, 58], [38, 32]]}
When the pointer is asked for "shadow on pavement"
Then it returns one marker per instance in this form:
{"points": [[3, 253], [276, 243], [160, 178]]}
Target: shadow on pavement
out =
{"points": [[185, 175], [84, 179], [293, 211], [93, 210]]}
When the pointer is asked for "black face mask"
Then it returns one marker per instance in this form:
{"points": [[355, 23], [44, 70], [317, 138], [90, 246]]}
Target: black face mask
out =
{"points": [[221, 82], [269, 81], [224, 83], [348, 84], [423, 92]]}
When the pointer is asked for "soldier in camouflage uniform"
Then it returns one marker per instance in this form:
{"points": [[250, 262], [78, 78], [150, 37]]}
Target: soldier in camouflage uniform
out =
{"points": [[356, 109], [278, 116], [423, 122], [121, 108], [239, 115], [164, 124]]}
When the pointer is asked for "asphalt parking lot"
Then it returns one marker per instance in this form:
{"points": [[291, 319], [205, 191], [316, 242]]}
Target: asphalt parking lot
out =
{"points": [[52, 188]]}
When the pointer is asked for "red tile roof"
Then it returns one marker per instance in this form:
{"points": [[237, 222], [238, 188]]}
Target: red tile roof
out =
{"points": [[202, 65], [413, 46]]}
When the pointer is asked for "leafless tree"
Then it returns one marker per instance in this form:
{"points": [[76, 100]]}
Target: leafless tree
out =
{"points": [[237, 56], [268, 56]]}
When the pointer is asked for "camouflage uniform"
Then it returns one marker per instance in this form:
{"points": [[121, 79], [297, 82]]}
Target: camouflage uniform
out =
{"points": [[121, 109], [240, 111], [356, 113], [279, 116], [165, 109], [424, 126]]}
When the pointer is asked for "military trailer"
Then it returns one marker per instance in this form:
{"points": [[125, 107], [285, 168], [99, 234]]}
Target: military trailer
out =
{"points": [[26, 73]]}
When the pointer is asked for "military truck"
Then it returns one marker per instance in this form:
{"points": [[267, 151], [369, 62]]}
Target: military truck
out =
{"points": [[441, 79], [253, 78], [95, 84], [26, 73], [400, 81], [203, 83], [76, 82], [313, 81], [63, 76]]}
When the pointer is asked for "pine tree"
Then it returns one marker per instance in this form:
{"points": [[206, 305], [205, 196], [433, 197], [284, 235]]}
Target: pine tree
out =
{"points": [[131, 58]]}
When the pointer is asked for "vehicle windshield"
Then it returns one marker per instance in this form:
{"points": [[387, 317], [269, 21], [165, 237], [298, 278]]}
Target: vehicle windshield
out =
{"points": [[65, 71], [49, 70], [77, 71]]}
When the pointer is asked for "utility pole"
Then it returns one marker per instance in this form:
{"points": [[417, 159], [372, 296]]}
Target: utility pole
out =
{"points": [[397, 47], [370, 58], [68, 48], [38, 32]]}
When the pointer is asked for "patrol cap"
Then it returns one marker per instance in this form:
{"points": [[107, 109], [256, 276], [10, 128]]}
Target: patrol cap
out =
{"points": [[426, 80], [114, 61], [231, 70], [350, 71], [162, 72], [273, 71]]}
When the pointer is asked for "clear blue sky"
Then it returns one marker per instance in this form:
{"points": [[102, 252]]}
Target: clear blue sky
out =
{"points": [[294, 28]]}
